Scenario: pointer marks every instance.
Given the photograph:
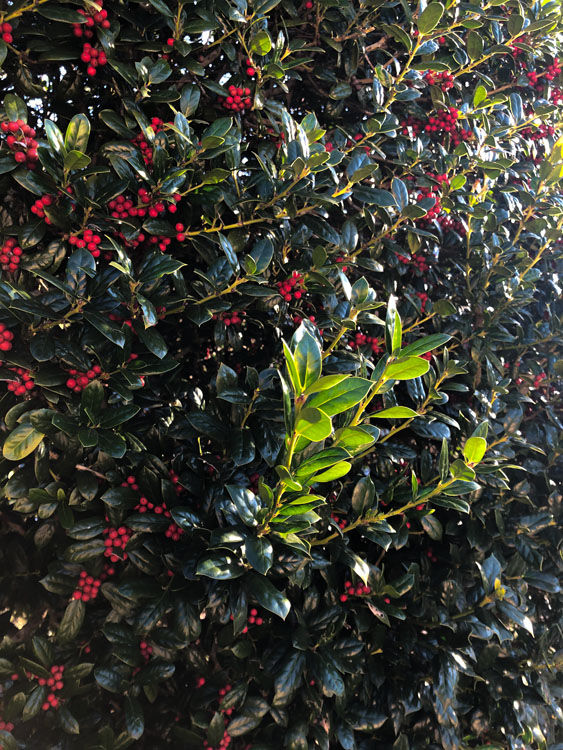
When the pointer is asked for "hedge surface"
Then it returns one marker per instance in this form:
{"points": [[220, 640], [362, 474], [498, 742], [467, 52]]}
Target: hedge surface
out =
{"points": [[280, 334]]}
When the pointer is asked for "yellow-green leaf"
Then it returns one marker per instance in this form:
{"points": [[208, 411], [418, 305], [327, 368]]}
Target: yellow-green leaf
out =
{"points": [[21, 442]]}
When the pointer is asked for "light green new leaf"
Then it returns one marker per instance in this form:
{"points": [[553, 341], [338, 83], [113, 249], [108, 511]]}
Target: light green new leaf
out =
{"points": [[308, 357], [474, 449], [342, 396], [406, 369], [395, 412], [313, 424], [292, 369], [77, 133]]}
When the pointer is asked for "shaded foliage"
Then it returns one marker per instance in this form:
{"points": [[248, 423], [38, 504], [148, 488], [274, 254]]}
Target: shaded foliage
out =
{"points": [[280, 330]]}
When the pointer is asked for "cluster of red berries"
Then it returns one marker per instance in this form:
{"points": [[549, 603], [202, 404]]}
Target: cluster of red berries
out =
{"points": [[94, 57], [5, 726], [154, 239], [360, 590], [119, 319], [38, 207], [89, 240], [552, 71], [139, 140], [539, 132], [431, 556], [445, 121], [135, 310], [432, 213], [441, 179], [341, 259], [238, 99], [10, 255], [55, 682], [518, 51], [221, 695], [278, 139], [146, 650], [250, 69], [160, 240], [173, 531], [556, 96], [144, 506], [88, 587], [539, 378], [423, 297], [230, 319], [175, 479], [253, 618], [7, 32], [123, 207], [358, 137], [131, 483], [79, 380], [298, 319], [253, 482], [418, 261], [115, 543], [93, 17], [23, 383], [309, 4], [533, 80], [412, 126], [6, 338], [20, 138], [293, 287], [461, 135], [133, 243], [224, 743], [444, 79], [456, 225], [226, 739], [154, 209], [180, 232], [340, 522], [362, 339]]}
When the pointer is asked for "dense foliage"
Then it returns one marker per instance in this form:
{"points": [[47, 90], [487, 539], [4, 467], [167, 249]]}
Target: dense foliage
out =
{"points": [[279, 323]]}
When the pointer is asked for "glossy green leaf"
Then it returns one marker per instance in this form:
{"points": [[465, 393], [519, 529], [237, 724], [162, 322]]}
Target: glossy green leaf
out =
{"points": [[267, 595], [72, 620], [425, 344], [430, 17], [259, 553]]}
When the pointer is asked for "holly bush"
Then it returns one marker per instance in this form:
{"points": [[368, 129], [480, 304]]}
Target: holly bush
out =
{"points": [[279, 323]]}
